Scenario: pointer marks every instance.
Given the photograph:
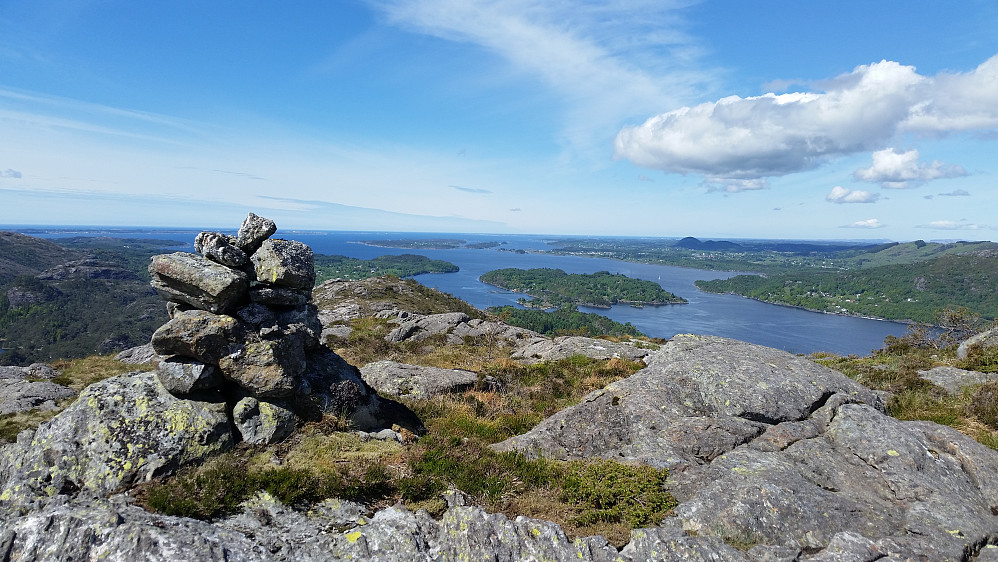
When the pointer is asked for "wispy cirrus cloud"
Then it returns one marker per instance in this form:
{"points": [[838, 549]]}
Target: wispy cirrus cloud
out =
{"points": [[606, 61], [773, 135], [952, 225], [470, 189]]}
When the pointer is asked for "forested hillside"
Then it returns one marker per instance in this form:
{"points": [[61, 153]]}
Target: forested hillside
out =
{"points": [[552, 288], [904, 291]]}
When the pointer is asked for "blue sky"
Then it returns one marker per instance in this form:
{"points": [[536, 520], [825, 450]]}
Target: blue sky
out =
{"points": [[769, 119]]}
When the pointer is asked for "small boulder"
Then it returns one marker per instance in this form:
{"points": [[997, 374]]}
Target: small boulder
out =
{"points": [[268, 368], [197, 334], [413, 381], [195, 280], [254, 230], [278, 296], [138, 355], [183, 375], [262, 422], [220, 248], [287, 263]]}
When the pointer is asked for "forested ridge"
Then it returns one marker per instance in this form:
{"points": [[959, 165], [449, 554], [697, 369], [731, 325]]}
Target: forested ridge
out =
{"points": [[553, 288]]}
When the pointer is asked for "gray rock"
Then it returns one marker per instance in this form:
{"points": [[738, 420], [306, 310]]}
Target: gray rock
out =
{"points": [[262, 422], [113, 530], [287, 263], [120, 431], [254, 230], [267, 369], [34, 371], [417, 327], [220, 248], [18, 297], [21, 396], [672, 543], [413, 381], [339, 331], [194, 280], [257, 316], [771, 450], [139, 355], [183, 375], [198, 334], [273, 295], [538, 350], [698, 398], [953, 379], [986, 339]]}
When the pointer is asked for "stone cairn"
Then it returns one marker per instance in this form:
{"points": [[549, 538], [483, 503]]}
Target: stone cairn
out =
{"points": [[241, 322]]}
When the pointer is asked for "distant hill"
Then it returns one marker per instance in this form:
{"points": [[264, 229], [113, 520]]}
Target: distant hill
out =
{"points": [[27, 255], [691, 243], [58, 302]]}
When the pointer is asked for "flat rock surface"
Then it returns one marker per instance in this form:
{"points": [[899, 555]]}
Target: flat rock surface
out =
{"points": [[544, 349], [414, 381], [773, 450]]}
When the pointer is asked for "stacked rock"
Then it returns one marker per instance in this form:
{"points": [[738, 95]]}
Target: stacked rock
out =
{"points": [[241, 322]]}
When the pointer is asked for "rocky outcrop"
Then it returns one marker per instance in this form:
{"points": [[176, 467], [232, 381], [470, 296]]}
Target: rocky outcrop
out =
{"points": [[34, 371], [771, 450], [953, 380], [416, 382]]}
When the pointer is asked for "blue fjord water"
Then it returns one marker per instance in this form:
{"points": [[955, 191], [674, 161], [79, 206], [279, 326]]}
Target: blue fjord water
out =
{"points": [[729, 316]]}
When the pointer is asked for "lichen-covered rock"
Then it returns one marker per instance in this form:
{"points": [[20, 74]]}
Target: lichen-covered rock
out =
{"points": [[287, 263], [22, 395], [262, 422], [254, 230], [192, 279], [120, 431], [414, 381], [198, 334], [268, 368], [183, 375], [220, 248], [114, 530], [544, 349]]}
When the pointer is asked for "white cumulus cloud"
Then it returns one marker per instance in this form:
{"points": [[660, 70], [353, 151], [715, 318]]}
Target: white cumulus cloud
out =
{"points": [[900, 170], [10, 173], [773, 135], [868, 223], [841, 194]]}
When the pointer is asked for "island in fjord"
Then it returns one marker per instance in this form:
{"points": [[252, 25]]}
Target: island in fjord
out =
{"points": [[553, 288]]}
